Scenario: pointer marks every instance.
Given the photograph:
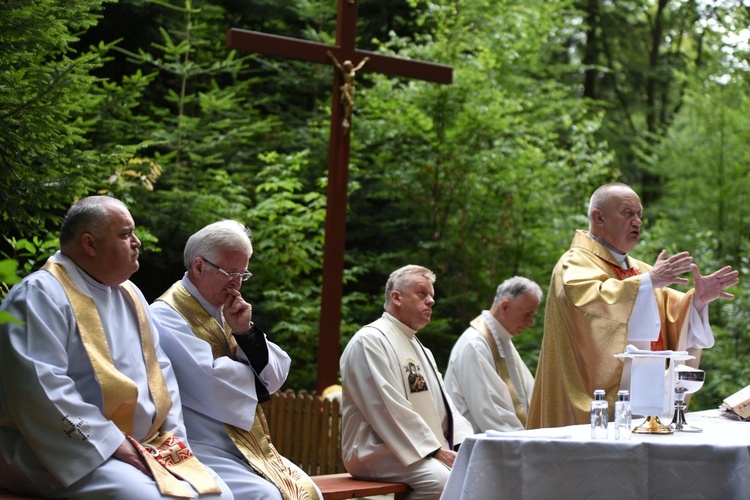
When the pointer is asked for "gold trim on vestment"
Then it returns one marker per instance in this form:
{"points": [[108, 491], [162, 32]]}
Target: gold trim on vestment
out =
{"points": [[255, 445], [586, 323], [156, 384], [120, 393], [502, 368]]}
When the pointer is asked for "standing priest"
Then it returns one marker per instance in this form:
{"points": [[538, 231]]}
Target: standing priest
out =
{"points": [[600, 300]]}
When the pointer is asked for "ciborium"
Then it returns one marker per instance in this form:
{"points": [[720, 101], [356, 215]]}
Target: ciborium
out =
{"points": [[687, 381]]}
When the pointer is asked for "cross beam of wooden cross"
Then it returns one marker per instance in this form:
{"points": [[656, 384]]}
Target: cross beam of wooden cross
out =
{"points": [[344, 51]]}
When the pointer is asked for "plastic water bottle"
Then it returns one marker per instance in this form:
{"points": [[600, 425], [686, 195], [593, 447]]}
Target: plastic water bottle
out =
{"points": [[599, 415], [623, 415]]}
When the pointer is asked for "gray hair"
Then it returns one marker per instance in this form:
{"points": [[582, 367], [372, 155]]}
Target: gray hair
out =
{"points": [[211, 240], [87, 215], [400, 279], [602, 197], [515, 287]]}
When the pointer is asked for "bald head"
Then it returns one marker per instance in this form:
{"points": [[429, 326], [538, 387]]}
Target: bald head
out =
{"points": [[615, 213], [88, 215], [98, 234], [604, 195]]}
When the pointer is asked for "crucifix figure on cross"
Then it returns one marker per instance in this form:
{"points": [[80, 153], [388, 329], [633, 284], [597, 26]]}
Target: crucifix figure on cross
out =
{"points": [[348, 72], [338, 151]]}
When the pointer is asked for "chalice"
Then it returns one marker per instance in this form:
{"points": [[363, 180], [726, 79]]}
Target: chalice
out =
{"points": [[687, 381]]}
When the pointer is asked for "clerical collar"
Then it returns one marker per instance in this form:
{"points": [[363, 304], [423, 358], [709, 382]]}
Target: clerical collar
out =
{"points": [[498, 331], [621, 258], [408, 332]]}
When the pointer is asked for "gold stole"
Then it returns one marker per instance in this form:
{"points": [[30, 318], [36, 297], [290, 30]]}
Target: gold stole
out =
{"points": [[502, 369], [164, 453], [255, 444]]}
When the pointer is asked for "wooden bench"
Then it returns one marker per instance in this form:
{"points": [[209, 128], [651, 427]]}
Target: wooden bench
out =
{"points": [[341, 486], [306, 429]]}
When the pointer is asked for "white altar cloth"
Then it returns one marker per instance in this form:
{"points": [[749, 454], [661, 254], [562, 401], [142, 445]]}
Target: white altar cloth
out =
{"points": [[565, 463]]}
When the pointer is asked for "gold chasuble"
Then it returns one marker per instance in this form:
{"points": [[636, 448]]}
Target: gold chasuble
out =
{"points": [[502, 369], [255, 445], [589, 305], [166, 456]]}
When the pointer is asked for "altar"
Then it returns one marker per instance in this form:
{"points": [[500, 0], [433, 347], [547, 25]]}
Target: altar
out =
{"points": [[565, 463]]}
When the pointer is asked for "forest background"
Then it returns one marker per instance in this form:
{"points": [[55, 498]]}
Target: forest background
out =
{"points": [[479, 180]]}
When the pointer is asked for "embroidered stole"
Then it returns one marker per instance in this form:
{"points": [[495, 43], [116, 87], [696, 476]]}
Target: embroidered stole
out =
{"points": [[502, 370], [621, 274], [419, 394], [166, 456], [255, 445]]}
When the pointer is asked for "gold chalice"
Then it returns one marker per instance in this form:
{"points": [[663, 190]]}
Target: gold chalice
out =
{"points": [[687, 381]]}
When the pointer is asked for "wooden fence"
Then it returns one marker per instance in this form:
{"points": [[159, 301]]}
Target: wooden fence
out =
{"points": [[306, 429]]}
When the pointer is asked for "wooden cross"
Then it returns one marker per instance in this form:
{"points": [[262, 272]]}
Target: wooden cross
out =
{"points": [[347, 59]]}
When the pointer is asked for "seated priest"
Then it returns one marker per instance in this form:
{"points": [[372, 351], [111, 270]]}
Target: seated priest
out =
{"points": [[486, 377], [398, 422], [89, 405], [226, 366]]}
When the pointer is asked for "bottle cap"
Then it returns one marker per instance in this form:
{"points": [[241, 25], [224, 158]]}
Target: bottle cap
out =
{"points": [[599, 394], [623, 395]]}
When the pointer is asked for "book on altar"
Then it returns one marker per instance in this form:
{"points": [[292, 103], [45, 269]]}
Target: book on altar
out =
{"points": [[739, 403]]}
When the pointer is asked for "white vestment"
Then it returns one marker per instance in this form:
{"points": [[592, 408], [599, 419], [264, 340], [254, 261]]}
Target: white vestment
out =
{"points": [[218, 392], [475, 386], [54, 439], [383, 437]]}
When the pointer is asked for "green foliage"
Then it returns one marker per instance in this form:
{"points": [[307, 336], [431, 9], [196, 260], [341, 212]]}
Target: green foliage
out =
{"points": [[287, 261], [8, 278], [30, 254], [479, 180], [468, 177], [46, 93], [188, 113], [704, 212]]}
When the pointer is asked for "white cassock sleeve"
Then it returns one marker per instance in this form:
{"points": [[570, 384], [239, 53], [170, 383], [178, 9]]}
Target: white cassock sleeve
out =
{"points": [[222, 389], [173, 423], [478, 391], [644, 324]]}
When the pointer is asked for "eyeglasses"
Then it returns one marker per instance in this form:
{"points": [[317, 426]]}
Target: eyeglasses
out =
{"points": [[243, 276]]}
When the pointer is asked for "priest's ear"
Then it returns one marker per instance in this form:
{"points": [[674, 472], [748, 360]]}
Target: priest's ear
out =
{"points": [[504, 304], [597, 217], [196, 266], [88, 244]]}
